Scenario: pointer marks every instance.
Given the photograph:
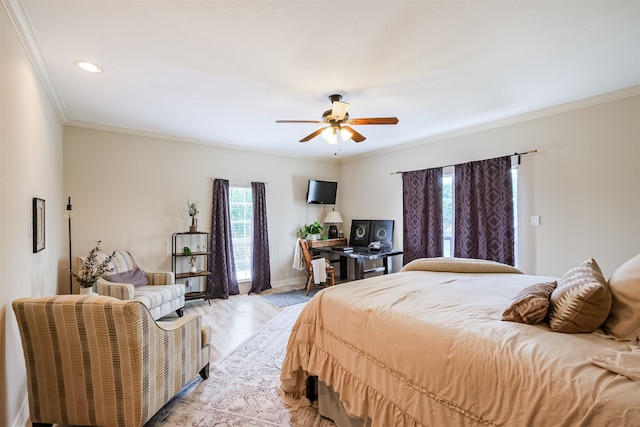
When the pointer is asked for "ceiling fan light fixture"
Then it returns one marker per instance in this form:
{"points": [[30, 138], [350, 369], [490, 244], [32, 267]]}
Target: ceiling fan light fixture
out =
{"points": [[345, 134], [334, 135], [330, 135], [327, 133]]}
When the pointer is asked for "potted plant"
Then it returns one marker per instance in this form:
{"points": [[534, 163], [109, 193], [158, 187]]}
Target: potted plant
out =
{"points": [[92, 270], [191, 259], [192, 209], [313, 231], [302, 233]]}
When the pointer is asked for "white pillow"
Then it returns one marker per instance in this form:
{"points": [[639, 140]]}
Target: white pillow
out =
{"points": [[624, 319]]}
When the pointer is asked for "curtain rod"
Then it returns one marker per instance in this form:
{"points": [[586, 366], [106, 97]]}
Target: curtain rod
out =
{"points": [[239, 182], [524, 153]]}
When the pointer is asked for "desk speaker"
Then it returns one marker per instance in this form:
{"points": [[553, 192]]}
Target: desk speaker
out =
{"points": [[382, 231]]}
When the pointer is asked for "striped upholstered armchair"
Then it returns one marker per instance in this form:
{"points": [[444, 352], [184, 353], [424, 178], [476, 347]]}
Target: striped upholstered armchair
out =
{"points": [[101, 361], [127, 281]]}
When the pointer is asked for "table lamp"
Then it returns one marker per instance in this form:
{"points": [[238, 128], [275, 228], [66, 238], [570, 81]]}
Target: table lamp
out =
{"points": [[333, 218]]}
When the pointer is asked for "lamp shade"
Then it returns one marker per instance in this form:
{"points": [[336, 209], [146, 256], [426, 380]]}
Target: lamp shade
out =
{"points": [[345, 135], [339, 109], [333, 217], [336, 134]]}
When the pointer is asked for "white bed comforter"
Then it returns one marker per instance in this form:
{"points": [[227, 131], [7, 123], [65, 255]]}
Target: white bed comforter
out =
{"points": [[429, 348]]}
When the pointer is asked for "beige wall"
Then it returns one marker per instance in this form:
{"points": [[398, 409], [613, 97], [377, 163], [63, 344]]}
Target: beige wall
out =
{"points": [[131, 192], [584, 183], [30, 166]]}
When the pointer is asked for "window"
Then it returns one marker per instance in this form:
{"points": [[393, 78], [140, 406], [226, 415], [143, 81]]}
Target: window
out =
{"points": [[447, 214], [241, 206], [448, 211]]}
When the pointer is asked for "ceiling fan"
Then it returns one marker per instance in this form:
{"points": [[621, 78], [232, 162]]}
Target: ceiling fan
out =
{"points": [[338, 120]]}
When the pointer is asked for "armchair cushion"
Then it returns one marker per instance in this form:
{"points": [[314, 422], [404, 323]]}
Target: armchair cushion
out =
{"points": [[157, 296]]}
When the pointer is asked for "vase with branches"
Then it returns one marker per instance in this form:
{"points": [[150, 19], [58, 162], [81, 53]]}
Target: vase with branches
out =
{"points": [[191, 258], [192, 209], [92, 269]]}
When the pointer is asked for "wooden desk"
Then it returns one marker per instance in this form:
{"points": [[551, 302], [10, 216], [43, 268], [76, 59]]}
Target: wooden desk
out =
{"points": [[314, 244], [360, 255]]}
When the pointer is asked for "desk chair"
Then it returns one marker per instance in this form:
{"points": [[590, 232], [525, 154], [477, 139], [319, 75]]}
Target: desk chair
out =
{"points": [[308, 262]]}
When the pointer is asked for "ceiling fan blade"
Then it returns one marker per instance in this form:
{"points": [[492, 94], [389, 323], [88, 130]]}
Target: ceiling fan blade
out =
{"points": [[355, 136], [374, 121], [299, 121], [312, 135], [339, 110]]}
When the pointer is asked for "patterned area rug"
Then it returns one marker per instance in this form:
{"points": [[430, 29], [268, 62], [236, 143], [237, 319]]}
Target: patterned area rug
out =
{"points": [[284, 299], [242, 387]]}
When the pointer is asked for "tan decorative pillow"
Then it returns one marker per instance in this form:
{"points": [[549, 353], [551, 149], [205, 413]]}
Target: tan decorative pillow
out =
{"points": [[582, 300], [459, 265], [530, 305], [624, 319]]}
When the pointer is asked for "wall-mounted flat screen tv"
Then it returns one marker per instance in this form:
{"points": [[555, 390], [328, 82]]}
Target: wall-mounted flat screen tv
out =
{"points": [[321, 192]]}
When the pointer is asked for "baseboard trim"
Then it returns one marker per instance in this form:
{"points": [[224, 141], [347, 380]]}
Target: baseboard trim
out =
{"points": [[288, 282], [22, 417], [244, 287]]}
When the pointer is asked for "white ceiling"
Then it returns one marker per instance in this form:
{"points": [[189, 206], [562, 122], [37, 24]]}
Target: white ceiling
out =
{"points": [[222, 72]]}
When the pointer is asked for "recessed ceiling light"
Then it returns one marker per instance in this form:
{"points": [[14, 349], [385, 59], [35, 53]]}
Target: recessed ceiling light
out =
{"points": [[88, 66]]}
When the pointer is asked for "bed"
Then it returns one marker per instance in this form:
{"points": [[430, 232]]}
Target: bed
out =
{"points": [[428, 346]]}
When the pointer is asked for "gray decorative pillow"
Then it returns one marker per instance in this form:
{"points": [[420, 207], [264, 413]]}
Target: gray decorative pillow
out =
{"points": [[582, 300], [530, 305], [135, 277]]}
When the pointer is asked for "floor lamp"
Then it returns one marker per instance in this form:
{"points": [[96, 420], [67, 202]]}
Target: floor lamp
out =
{"points": [[69, 215]]}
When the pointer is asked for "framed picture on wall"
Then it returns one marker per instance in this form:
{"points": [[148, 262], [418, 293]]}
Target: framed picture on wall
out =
{"points": [[38, 225], [359, 233]]}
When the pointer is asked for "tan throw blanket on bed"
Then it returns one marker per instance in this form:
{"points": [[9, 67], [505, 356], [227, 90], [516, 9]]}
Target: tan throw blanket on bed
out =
{"points": [[625, 363]]}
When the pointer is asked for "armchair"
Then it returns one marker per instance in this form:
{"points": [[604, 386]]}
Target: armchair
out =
{"points": [[127, 281], [100, 361]]}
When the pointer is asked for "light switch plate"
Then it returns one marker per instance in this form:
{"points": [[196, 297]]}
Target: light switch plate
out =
{"points": [[535, 220]]}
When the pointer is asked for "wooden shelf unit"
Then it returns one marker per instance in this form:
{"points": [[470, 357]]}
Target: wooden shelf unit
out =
{"points": [[201, 251]]}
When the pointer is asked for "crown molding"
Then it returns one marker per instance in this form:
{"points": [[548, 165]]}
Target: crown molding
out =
{"points": [[182, 139], [519, 118], [20, 21]]}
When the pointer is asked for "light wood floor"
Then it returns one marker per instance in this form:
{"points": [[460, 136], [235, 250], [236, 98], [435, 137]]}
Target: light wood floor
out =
{"points": [[235, 319]]}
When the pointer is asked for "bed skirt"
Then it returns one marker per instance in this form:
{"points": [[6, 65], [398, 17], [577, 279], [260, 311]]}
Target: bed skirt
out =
{"points": [[330, 406]]}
